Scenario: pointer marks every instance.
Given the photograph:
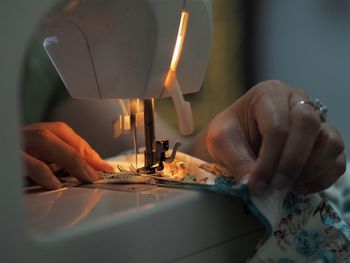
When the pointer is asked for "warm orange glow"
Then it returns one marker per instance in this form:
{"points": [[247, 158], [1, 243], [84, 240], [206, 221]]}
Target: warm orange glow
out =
{"points": [[122, 105], [137, 105], [127, 123], [179, 40], [169, 78], [178, 45], [137, 112]]}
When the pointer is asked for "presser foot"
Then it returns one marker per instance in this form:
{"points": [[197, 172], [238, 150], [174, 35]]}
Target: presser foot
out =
{"points": [[154, 160]]}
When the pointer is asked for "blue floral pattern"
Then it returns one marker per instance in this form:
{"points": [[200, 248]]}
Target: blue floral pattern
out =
{"points": [[309, 230], [308, 227], [307, 243], [291, 202], [302, 228]]}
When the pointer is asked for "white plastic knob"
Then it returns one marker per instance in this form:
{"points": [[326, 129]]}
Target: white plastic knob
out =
{"points": [[183, 108]]}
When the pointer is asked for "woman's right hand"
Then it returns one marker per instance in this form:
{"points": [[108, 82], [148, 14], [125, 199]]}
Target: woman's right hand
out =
{"points": [[57, 143]]}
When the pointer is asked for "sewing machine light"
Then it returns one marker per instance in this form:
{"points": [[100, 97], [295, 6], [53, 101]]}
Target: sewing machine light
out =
{"points": [[183, 108], [179, 40]]}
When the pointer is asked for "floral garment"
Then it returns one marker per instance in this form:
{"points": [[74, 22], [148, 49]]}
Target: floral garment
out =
{"points": [[301, 228]]}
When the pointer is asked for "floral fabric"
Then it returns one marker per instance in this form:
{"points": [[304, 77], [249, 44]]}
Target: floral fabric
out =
{"points": [[301, 228], [304, 228]]}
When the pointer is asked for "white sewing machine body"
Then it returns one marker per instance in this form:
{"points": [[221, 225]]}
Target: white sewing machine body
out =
{"points": [[145, 224], [123, 49]]}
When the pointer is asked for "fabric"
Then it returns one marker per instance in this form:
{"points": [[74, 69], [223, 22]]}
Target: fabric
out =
{"points": [[339, 195], [301, 228]]}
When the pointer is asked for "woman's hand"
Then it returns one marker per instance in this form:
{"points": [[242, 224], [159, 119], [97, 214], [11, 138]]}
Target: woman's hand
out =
{"points": [[277, 141], [57, 143]]}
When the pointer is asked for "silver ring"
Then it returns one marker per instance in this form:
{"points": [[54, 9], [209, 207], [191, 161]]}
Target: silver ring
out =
{"points": [[318, 106]]}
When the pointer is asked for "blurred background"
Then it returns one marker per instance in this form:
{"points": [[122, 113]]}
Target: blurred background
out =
{"points": [[303, 43], [307, 45]]}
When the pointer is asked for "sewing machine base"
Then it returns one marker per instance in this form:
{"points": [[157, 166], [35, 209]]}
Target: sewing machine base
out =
{"points": [[148, 224]]}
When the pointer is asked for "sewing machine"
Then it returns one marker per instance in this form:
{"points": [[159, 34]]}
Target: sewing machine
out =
{"points": [[145, 49]]}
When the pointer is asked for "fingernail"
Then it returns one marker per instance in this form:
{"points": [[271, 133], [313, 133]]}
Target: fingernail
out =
{"points": [[93, 174], [259, 186], [54, 184], [281, 181], [107, 167], [100, 175], [244, 179], [59, 185]]}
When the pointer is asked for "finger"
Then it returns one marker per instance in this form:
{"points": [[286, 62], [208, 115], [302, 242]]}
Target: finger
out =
{"points": [[228, 145], [70, 137], [304, 128], [273, 125], [328, 146], [40, 173], [46, 146], [328, 178], [67, 134]]}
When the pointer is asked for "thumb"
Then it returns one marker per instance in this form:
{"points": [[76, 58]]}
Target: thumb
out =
{"points": [[229, 146]]}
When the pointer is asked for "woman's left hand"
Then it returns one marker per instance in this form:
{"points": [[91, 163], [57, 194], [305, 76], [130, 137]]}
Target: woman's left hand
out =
{"points": [[276, 140]]}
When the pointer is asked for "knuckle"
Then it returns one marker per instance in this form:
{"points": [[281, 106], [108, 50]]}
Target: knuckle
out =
{"points": [[60, 125], [36, 139], [308, 118], [336, 145], [216, 135], [217, 139], [269, 86], [86, 151], [331, 141], [41, 133], [214, 140], [41, 167], [274, 83], [341, 167]]}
